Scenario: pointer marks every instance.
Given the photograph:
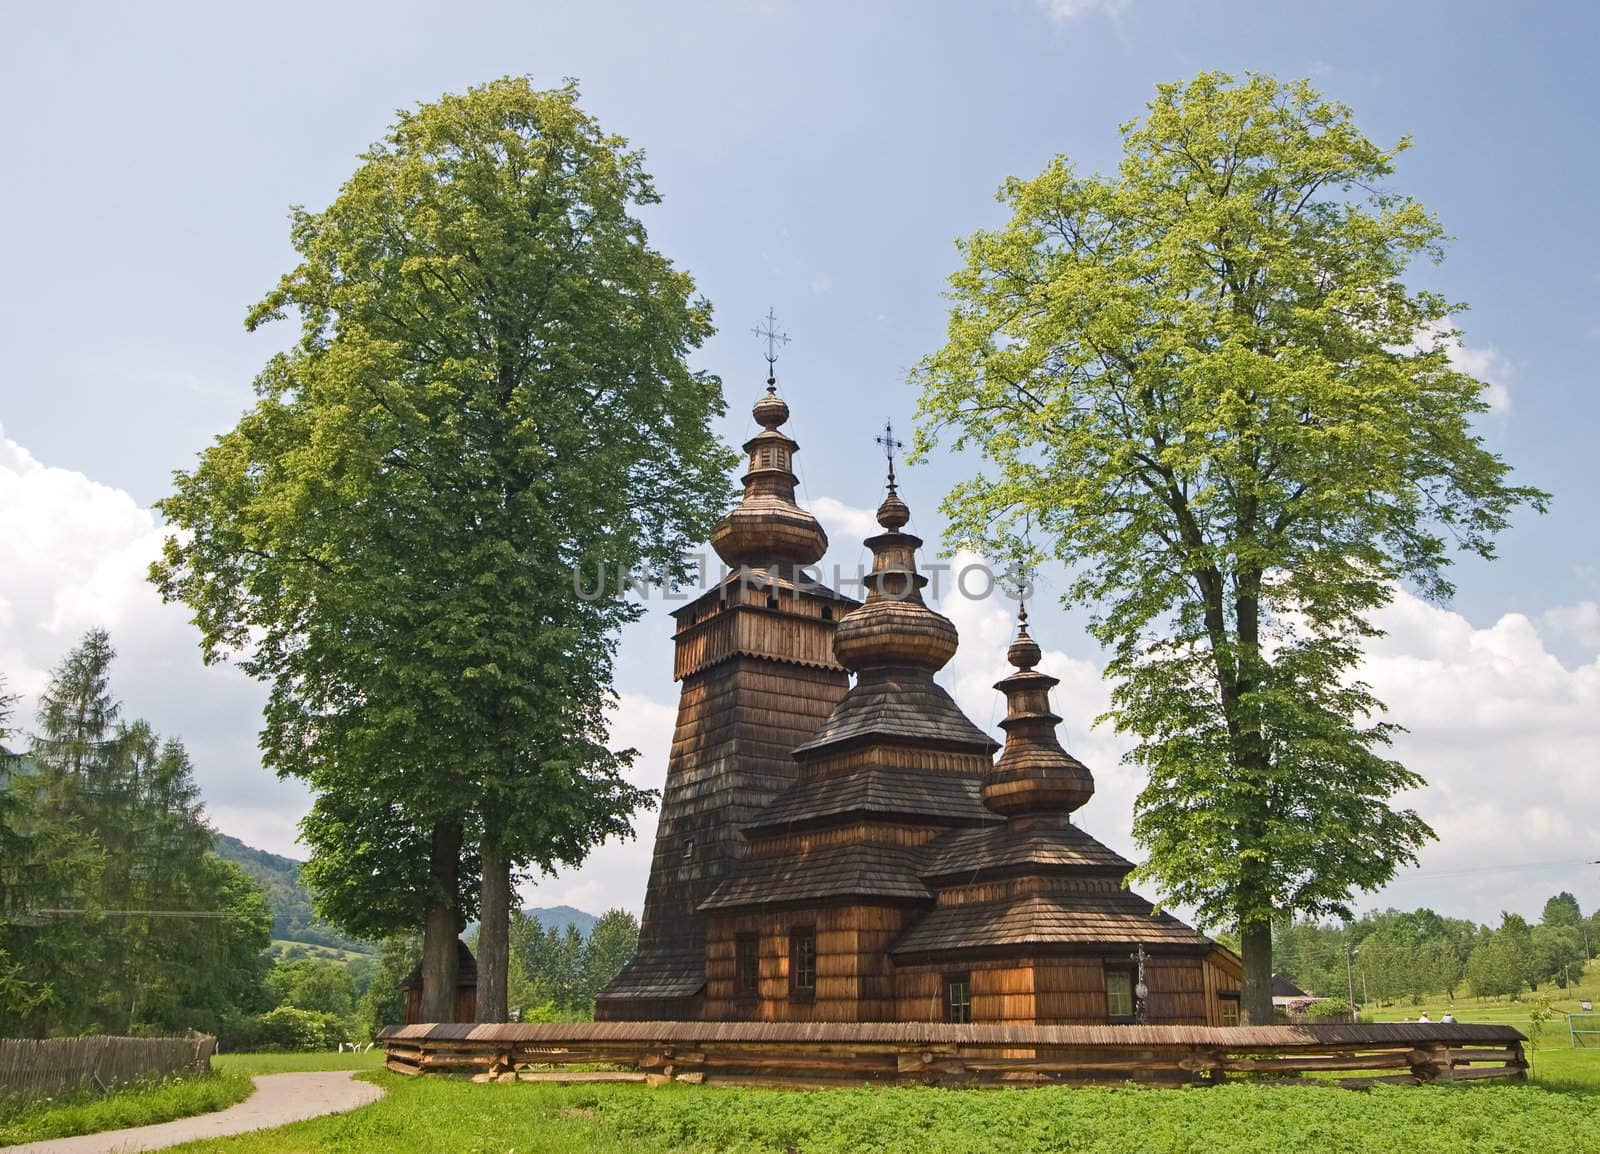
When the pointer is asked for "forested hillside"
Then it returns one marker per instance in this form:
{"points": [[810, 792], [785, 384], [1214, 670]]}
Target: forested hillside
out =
{"points": [[293, 918]]}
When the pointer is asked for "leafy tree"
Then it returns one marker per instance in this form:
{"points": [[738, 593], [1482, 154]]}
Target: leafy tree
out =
{"points": [[1205, 382], [491, 384], [1517, 935], [314, 984], [1556, 952], [1562, 910], [1493, 967]]}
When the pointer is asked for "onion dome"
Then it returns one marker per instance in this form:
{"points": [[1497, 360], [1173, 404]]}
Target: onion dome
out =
{"points": [[1034, 775], [766, 526], [893, 627]]}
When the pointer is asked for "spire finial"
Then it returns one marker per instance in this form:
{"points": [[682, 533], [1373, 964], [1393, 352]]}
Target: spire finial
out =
{"points": [[889, 446], [1024, 652], [773, 338]]}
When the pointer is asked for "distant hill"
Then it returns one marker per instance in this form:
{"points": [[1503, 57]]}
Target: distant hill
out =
{"points": [[563, 916], [292, 916]]}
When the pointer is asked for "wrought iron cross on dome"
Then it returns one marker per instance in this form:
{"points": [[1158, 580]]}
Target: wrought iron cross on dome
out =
{"points": [[890, 445], [773, 338]]}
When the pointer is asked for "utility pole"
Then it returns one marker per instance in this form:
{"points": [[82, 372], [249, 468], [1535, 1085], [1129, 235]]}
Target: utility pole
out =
{"points": [[1350, 953]]}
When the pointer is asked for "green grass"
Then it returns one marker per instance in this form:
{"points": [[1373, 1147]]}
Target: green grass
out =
{"points": [[422, 1115], [251, 1064], [1554, 1059], [137, 1105]]}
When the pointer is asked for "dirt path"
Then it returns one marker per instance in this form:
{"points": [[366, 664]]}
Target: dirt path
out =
{"points": [[278, 1099]]}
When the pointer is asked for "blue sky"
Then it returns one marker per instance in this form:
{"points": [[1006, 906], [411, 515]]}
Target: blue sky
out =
{"points": [[819, 158]]}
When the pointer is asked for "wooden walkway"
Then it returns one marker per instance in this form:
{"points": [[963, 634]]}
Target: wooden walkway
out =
{"points": [[936, 1053]]}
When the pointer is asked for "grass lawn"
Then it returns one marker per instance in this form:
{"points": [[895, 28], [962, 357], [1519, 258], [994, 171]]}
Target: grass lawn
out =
{"points": [[251, 1064], [1555, 1062], [448, 1115], [137, 1105]]}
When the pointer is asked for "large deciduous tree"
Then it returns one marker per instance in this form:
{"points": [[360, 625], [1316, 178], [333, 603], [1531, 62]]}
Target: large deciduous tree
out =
{"points": [[490, 385], [1205, 384]]}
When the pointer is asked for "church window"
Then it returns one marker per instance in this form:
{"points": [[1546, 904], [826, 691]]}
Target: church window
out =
{"points": [[1119, 994], [803, 962], [958, 997], [747, 965], [1230, 1009]]}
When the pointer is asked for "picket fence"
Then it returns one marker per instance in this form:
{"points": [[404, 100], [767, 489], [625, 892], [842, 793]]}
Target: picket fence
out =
{"points": [[43, 1067]]}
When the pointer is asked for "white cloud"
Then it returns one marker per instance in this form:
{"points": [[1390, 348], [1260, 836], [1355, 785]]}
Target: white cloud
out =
{"points": [[1578, 623], [73, 555], [1063, 11], [616, 873]]}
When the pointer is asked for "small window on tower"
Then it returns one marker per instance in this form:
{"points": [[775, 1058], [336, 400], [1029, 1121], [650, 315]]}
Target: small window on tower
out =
{"points": [[958, 997], [827, 612], [688, 850], [747, 965]]}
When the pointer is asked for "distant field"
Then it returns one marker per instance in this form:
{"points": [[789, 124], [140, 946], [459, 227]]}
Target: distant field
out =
{"points": [[1554, 1060], [282, 946]]}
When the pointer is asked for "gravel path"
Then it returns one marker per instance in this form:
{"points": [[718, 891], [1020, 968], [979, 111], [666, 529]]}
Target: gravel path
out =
{"points": [[278, 1099]]}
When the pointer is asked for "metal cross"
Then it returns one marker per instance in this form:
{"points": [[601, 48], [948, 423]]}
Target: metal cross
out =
{"points": [[774, 338], [889, 446]]}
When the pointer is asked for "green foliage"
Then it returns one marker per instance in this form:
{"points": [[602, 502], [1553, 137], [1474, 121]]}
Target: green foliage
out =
{"points": [[1562, 910], [139, 1104], [312, 984], [491, 384], [1494, 968], [383, 1003], [288, 1028], [1331, 1008], [118, 917], [556, 971], [1204, 381]]}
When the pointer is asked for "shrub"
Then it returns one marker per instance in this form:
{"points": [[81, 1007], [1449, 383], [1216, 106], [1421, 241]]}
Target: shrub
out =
{"points": [[284, 1028], [1328, 1008]]}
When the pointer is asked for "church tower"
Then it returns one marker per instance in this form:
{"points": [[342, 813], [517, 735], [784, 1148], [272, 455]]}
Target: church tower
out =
{"points": [[755, 656]]}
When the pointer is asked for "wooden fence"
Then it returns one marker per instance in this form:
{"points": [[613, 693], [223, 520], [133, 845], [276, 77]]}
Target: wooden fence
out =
{"points": [[844, 1053], [45, 1066]]}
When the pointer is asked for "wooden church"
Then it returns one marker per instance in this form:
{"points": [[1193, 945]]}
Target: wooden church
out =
{"points": [[841, 852]]}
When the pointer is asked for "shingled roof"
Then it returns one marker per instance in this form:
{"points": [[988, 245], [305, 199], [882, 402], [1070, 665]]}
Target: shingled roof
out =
{"points": [[881, 792], [1111, 918], [659, 975], [861, 870], [904, 705], [1052, 843]]}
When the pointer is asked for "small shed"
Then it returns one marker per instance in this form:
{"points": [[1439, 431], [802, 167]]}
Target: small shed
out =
{"points": [[466, 987]]}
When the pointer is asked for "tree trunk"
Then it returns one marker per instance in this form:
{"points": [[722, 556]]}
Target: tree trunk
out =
{"points": [[1255, 1000], [443, 925], [494, 930]]}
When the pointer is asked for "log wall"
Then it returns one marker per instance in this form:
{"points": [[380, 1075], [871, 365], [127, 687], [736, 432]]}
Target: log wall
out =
{"points": [[854, 979], [843, 1054]]}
